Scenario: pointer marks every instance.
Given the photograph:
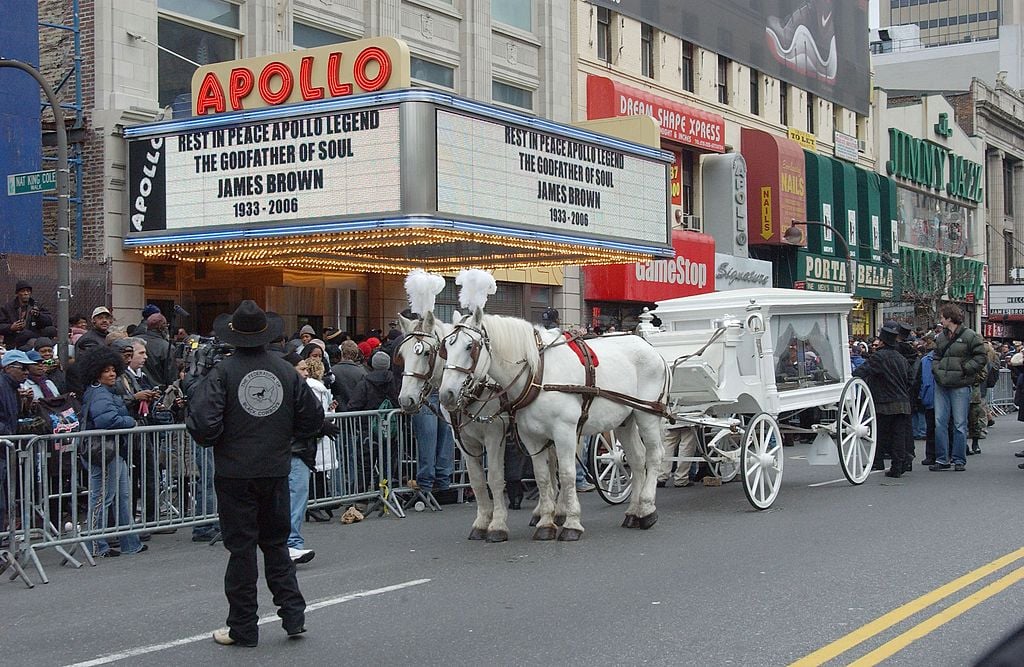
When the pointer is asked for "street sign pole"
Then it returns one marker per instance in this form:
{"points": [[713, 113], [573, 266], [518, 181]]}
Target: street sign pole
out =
{"points": [[63, 209]]}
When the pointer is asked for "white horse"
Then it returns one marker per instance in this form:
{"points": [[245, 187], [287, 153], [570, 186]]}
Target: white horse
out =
{"points": [[532, 364], [482, 426]]}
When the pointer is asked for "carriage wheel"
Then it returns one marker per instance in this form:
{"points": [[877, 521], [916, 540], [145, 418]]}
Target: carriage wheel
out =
{"points": [[609, 469], [856, 433], [761, 460], [724, 441]]}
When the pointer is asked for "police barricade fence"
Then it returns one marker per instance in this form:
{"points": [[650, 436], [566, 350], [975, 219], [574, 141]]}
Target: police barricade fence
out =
{"points": [[74, 492], [1000, 397]]}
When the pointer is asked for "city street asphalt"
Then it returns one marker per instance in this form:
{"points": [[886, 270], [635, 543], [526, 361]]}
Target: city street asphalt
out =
{"points": [[714, 582]]}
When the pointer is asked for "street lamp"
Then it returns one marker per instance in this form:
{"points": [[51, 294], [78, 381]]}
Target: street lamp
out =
{"points": [[796, 235]]}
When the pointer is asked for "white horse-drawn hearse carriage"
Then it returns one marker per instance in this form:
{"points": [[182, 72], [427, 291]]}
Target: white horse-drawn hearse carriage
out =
{"points": [[747, 367]]}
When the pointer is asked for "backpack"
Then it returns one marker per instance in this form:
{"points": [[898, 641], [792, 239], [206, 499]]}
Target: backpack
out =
{"points": [[992, 375], [381, 427]]}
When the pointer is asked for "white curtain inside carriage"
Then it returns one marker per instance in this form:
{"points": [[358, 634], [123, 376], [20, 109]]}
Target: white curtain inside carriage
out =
{"points": [[804, 352]]}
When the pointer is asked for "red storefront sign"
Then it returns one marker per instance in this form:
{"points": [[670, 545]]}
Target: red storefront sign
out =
{"points": [[776, 185], [690, 272], [679, 123]]}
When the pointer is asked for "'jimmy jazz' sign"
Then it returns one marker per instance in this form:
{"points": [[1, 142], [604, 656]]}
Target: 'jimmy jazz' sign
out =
{"points": [[933, 166]]}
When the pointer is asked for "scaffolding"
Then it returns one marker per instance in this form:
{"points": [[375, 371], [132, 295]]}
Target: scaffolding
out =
{"points": [[62, 35]]}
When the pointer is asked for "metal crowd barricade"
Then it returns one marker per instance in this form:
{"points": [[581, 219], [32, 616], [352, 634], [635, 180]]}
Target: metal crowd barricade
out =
{"points": [[73, 492], [1000, 397], [9, 511]]}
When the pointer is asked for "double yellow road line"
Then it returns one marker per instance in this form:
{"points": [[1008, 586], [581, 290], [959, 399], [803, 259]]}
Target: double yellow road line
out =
{"points": [[900, 614]]}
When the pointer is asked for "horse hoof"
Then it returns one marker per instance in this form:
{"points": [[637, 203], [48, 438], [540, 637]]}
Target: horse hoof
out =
{"points": [[497, 536], [477, 534], [545, 533], [535, 519], [646, 522], [559, 519], [630, 521], [570, 535]]}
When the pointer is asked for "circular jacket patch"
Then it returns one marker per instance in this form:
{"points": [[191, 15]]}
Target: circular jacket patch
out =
{"points": [[260, 393]]}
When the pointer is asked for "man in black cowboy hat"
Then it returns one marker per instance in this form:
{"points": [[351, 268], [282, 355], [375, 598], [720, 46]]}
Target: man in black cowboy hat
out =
{"points": [[888, 376], [249, 407]]}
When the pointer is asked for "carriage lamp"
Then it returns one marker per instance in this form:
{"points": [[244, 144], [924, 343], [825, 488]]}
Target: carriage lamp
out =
{"points": [[796, 234]]}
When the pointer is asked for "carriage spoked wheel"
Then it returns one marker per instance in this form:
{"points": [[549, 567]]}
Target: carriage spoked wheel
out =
{"points": [[609, 469], [724, 441], [856, 432], [761, 460]]}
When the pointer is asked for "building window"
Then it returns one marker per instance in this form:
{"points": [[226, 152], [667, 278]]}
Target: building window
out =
{"points": [[647, 50], [837, 118], [783, 103], [211, 11], [174, 75], [307, 37], [516, 13], [424, 70], [812, 120], [512, 95], [755, 92], [688, 66], [1007, 187], [686, 181], [723, 79], [604, 35]]}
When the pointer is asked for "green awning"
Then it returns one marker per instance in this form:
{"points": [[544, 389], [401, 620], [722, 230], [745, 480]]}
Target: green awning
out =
{"points": [[869, 216], [820, 204]]}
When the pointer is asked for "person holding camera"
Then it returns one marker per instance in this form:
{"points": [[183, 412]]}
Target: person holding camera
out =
{"points": [[248, 408], [23, 319]]}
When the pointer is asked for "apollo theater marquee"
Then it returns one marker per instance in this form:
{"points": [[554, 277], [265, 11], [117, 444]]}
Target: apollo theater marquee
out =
{"points": [[325, 159]]}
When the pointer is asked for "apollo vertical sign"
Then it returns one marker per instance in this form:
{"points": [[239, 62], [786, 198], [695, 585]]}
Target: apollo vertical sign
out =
{"points": [[559, 182]]}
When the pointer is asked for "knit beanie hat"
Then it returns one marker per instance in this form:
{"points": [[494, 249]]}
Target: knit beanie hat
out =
{"points": [[381, 361]]}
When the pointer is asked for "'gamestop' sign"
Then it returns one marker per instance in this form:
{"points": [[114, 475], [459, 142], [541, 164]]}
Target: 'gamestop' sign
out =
{"points": [[292, 169], [690, 272]]}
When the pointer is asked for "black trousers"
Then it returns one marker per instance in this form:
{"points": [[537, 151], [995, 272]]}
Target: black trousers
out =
{"points": [[893, 428], [255, 512]]}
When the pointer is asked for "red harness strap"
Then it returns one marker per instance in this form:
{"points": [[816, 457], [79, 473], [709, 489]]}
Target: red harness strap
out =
{"points": [[574, 345]]}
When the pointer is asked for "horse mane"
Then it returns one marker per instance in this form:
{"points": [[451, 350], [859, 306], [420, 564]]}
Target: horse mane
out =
{"points": [[512, 339]]}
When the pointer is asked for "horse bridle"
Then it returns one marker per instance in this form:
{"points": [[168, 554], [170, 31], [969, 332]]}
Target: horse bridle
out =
{"points": [[423, 338], [478, 340]]}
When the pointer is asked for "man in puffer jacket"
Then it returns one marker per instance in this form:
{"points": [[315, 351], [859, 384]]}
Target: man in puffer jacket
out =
{"points": [[888, 376], [959, 362]]}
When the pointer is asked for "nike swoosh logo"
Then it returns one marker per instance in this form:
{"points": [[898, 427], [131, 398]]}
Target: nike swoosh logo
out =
{"points": [[825, 19]]}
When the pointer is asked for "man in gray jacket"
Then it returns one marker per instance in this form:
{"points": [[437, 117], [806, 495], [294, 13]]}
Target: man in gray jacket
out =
{"points": [[249, 407], [959, 362]]}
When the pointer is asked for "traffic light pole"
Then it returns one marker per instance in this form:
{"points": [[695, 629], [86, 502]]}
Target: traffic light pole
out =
{"points": [[63, 209]]}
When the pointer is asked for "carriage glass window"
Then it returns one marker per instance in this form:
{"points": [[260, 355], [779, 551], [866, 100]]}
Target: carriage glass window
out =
{"points": [[805, 352]]}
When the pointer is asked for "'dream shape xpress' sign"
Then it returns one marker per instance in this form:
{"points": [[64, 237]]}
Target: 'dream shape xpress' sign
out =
{"points": [[290, 169], [530, 178]]}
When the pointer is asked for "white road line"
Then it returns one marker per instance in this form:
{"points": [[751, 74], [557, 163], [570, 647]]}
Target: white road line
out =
{"points": [[1014, 442], [153, 648], [834, 481]]}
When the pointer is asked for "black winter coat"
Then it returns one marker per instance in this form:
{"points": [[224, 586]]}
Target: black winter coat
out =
{"points": [[249, 408], [371, 391], [12, 311], [888, 376]]}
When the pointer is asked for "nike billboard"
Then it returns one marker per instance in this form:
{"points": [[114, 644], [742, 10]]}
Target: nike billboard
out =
{"points": [[817, 45]]}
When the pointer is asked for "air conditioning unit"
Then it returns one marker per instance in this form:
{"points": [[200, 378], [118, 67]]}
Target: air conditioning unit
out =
{"points": [[692, 222], [862, 146]]}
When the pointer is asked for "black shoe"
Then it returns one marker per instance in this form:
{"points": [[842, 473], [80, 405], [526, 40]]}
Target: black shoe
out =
{"points": [[317, 515], [878, 466], [959, 467], [1019, 454], [908, 467], [976, 450], [936, 467], [927, 462], [661, 484], [145, 537], [969, 451], [294, 633], [892, 472], [1021, 466], [109, 553]]}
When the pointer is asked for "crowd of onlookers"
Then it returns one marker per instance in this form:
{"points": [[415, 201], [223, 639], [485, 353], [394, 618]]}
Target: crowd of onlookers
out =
{"points": [[123, 376]]}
